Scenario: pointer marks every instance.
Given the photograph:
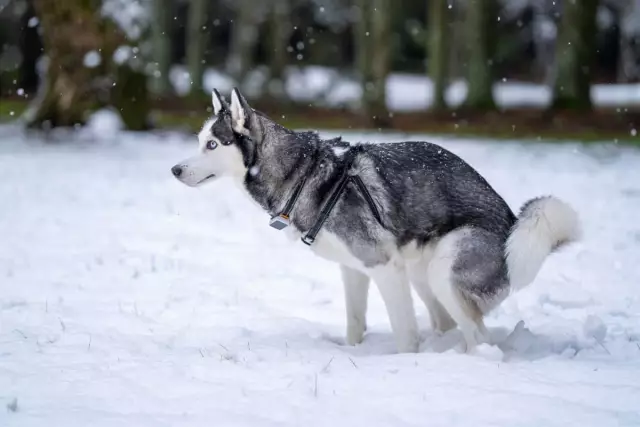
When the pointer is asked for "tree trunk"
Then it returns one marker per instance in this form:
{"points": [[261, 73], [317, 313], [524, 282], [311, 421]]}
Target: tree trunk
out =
{"points": [[481, 19], [196, 43], [161, 44], [280, 33], [438, 45], [373, 44], [575, 55], [628, 67], [70, 29], [131, 99], [73, 86], [31, 47], [244, 38]]}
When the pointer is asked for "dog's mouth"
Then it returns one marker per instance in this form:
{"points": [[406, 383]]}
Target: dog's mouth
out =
{"points": [[207, 178]]}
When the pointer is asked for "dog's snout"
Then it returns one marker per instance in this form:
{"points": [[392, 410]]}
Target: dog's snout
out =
{"points": [[176, 171]]}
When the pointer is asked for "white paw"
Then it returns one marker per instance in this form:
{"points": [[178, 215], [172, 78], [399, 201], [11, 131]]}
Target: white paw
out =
{"points": [[409, 344], [355, 333]]}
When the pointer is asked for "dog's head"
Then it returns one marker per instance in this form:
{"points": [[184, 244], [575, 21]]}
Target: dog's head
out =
{"points": [[219, 151], [231, 141]]}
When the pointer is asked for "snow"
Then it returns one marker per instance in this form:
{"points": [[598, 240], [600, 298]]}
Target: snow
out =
{"points": [[131, 16], [631, 20], [92, 59], [405, 92], [129, 299], [104, 124], [544, 28], [33, 22], [122, 54]]}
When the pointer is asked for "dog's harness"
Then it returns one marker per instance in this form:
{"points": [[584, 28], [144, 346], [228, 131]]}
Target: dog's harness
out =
{"points": [[282, 220]]}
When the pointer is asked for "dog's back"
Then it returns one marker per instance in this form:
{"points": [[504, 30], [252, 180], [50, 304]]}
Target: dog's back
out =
{"points": [[429, 191]]}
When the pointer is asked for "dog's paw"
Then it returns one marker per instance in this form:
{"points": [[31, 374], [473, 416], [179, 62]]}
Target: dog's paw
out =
{"points": [[355, 334]]}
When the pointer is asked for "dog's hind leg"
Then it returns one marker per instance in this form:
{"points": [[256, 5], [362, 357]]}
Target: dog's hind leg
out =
{"points": [[441, 321], [356, 290], [466, 272], [393, 284]]}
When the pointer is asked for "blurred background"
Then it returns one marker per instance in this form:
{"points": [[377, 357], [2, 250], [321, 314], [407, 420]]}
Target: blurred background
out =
{"points": [[534, 68], [129, 299]]}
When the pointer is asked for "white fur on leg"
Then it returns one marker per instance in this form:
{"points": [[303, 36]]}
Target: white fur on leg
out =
{"points": [[356, 289], [439, 276], [417, 271], [393, 284], [441, 321]]}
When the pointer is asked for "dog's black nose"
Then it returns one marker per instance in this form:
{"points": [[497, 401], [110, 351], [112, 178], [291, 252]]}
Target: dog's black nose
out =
{"points": [[177, 171]]}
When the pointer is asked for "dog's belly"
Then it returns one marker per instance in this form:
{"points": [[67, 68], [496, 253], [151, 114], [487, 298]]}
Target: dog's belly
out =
{"points": [[331, 248]]}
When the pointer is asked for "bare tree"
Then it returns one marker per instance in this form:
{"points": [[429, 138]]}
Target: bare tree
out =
{"points": [[575, 54], [373, 55], [480, 19], [196, 43], [438, 51], [161, 41]]}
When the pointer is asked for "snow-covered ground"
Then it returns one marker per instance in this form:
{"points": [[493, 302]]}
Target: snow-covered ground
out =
{"points": [[405, 92], [129, 299]]}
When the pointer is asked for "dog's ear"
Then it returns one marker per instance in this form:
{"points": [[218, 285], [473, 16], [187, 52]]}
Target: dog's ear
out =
{"points": [[219, 103], [241, 113]]}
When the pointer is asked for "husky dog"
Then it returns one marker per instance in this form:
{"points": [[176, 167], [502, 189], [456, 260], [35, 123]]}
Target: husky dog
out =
{"points": [[399, 213]]}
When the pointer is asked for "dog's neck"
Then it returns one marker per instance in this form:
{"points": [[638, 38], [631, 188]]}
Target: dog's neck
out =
{"points": [[270, 180], [278, 170]]}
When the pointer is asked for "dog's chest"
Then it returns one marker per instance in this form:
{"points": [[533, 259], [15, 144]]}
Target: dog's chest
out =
{"points": [[328, 246]]}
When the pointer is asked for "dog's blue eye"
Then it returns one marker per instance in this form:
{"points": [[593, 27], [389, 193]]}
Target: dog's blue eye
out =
{"points": [[211, 145]]}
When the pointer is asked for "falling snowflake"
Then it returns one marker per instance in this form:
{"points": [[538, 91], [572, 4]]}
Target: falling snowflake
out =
{"points": [[92, 59]]}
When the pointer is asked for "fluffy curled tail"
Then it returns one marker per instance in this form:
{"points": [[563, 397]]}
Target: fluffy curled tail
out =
{"points": [[544, 225]]}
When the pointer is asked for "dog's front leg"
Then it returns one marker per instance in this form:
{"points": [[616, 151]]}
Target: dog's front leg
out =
{"points": [[393, 284], [356, 290]]}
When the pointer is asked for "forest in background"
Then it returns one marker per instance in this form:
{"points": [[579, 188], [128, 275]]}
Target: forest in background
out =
{"points": [[328, 63]]}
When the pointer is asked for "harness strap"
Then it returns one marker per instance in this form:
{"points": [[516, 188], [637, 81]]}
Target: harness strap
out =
{"points": [[294, 197], [367, 197], [310, 237], [282, 220]]}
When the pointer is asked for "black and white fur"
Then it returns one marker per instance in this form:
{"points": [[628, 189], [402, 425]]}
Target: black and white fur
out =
{"points": [[443, 228]]}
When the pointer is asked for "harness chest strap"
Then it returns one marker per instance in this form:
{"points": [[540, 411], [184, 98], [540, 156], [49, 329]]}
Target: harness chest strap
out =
{"points": [[282, 220], [310, 237]]}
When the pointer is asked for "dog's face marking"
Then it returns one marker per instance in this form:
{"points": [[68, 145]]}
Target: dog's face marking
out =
{"points": [[217, 155]]}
